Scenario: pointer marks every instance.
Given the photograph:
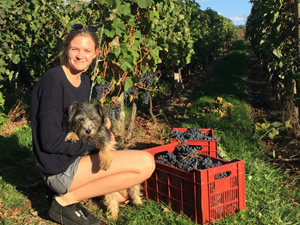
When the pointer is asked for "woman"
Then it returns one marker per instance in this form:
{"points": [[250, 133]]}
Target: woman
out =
{"points": [[63, 165]]}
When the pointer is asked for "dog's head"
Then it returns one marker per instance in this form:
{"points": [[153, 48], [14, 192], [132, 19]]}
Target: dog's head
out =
{"points": [[86, 119]]}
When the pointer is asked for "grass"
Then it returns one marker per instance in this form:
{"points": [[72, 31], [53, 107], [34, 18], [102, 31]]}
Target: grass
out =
{"points": [[271, 198]]}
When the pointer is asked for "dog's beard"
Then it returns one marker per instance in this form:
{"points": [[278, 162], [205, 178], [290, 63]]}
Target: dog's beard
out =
{"points": [[89, 139], [87, 130], [87, 121]]}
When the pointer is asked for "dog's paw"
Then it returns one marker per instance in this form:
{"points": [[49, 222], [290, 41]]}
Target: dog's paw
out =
{"points": [[105, 164], [112, 205], [105, 159], [71, 137], [137, 201], [113, 217], [136, 195]]}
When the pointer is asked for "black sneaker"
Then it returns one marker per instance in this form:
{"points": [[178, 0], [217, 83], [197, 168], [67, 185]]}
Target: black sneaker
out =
{"points": [[72, 214]]}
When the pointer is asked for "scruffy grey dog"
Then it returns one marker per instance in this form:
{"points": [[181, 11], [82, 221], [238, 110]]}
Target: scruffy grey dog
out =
{"points": [[87, 122]]}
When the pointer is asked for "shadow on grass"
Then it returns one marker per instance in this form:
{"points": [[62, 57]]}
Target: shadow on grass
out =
{"points": [[18, 169], [228, 80]]}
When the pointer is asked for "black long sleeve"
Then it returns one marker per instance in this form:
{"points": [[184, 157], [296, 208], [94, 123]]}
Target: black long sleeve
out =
{"points": [[50, 99]]}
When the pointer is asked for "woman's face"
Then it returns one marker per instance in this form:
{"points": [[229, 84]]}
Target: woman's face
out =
{"points": [[80, 53]]}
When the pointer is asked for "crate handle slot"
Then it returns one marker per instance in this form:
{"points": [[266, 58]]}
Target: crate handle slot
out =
{"points": [[222, 175]]}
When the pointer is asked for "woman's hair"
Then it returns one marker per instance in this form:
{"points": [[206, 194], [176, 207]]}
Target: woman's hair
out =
{"points": [[78, 30]]}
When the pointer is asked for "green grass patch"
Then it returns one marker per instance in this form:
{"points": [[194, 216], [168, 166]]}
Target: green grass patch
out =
{"points": [[17, 163], [17, 167]]}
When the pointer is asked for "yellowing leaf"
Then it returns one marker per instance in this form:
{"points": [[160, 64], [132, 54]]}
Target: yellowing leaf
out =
{"points": [[130, 98], [165, 209]]}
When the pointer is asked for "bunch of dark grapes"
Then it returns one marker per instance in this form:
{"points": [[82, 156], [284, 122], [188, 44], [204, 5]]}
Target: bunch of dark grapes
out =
{"points": [[115, 112], [191, 134], [101, 89], [127, 93], [187, 158], [147, 80]]}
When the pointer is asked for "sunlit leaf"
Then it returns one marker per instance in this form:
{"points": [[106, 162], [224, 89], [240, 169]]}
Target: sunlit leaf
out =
{"points": [[144, 3], [128, 83], [277, 53]]}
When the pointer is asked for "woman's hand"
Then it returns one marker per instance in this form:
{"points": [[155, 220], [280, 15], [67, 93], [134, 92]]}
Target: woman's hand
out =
{"points": [[108, 125]]}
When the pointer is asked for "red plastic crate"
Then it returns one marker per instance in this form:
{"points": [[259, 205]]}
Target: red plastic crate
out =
{"points": [[208, 147], [198, 194]]}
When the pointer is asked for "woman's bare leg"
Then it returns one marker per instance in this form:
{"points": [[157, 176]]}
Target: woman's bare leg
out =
{"points": [[128, 168], [122, 196]]}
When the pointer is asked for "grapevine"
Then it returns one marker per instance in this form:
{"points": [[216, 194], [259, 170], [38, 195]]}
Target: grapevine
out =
{"points": [[271, 30], [136, 38]]}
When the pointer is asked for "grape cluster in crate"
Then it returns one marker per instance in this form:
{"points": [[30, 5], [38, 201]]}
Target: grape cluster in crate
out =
{"points": [[187, 158], [192, 134], [205, 139]]}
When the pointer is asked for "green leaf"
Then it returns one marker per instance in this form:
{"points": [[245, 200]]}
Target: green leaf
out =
{"points": [[108, 3], [288, 124], [100, 80], [2, 70], [275, 17], [2, 62], [277, 53], [72, 2], [277, 124], [128, 83], [125, 66], [29, 41], [155, 55], [109, 33], [123, 9], [278, 28], [119, 25], [273, 133], [153, 15], [144, 3], [117, 51], [16, 58], [137, 34]]}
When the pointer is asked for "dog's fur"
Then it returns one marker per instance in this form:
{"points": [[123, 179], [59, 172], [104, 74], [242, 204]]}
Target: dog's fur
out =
{"points": [[87, 122]]}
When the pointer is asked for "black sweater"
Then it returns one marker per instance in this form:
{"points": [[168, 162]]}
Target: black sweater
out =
{"points": [[51, 97]]}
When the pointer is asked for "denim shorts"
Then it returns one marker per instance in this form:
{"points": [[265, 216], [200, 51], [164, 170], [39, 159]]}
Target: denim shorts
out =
{"points": [[60, 183]]}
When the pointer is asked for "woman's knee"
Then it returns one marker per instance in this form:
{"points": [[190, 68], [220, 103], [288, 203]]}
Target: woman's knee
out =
{"points": [[148, 164]]}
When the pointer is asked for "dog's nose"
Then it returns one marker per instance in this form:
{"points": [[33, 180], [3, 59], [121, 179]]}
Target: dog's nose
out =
{"points": [[88, 131]]}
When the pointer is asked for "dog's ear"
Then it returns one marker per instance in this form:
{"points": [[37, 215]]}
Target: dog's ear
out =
{"points": [[102, 110], [72, 110]]}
